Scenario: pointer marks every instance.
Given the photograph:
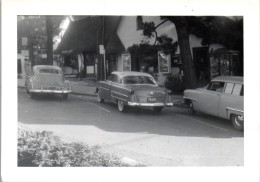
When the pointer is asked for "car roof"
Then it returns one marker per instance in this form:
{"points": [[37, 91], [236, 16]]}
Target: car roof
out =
{"points": [[235, 79], [37, 67], [130, 73]]}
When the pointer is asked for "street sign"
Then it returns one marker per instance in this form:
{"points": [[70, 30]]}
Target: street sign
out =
{"points": [[101, 49]]}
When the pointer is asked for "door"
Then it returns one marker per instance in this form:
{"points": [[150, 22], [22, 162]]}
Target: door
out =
{"points": [[232, 99], [210, 100], [105, 87]]}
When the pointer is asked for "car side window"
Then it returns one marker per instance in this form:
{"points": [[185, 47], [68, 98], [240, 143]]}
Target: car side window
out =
{"points": [[238, 89], [110, 78], [117, 79], [216, 86], [229, 88]]}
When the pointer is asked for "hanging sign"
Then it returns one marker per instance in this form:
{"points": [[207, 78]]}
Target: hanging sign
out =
{"points": [[164, 62]]}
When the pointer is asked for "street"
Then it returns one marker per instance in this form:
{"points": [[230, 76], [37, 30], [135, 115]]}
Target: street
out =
{"points": [[170, 138]]}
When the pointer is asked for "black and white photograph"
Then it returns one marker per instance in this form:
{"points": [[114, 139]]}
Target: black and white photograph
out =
{"points": [[142, 93]]}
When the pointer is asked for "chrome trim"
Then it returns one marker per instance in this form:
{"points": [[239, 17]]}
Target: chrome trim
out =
{"points": [[190, 98], [121, 86], [118, 98], [149, 104], [50, 91], [104, 88], [229, 108], [119, 93]]}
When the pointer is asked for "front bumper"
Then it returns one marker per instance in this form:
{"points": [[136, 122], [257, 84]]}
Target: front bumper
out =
{"points": [[50, 91], [150, 104]]}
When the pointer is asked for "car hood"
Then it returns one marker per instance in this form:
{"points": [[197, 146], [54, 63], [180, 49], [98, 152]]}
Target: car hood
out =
{"points": [[46, 79]]}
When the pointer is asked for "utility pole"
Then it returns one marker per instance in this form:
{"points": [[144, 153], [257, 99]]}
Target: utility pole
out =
{"points": [[101, 49]]}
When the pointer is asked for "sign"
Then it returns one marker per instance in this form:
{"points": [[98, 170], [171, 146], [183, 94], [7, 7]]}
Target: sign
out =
{"points": [[126, 59], [101, 49], [24, 41], [164, 62], [25, 53]]}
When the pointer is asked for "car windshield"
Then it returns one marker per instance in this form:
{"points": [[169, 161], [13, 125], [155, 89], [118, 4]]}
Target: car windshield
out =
{"points": [[49, 70], [138, 80]]}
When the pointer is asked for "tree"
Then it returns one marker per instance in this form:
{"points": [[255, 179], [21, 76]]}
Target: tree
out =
{"points": [[40, 31], [211, 29], [181, 25]]}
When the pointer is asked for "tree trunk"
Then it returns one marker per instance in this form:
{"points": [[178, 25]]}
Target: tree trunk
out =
{"points": [[190, 79], [49, 41]]}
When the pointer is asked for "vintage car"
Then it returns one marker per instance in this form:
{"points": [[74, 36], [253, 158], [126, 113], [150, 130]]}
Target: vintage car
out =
{"points": [[133, 89], [47, 79], [222, 97]]}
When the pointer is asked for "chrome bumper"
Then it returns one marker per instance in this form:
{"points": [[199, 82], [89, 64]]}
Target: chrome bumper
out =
{"points": [[50, 91], [150, 104]]}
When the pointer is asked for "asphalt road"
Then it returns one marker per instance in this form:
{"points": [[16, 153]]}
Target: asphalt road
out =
{"points": [[170, 138]]}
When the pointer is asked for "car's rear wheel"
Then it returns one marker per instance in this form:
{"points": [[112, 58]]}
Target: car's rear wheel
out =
{"points": [[65, 96], [191, 109], [238, 122], [99, 98], [157, 109], [121, 106]]}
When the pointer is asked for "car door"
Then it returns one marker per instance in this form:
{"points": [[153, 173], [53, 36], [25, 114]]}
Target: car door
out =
{"points": [[209, 103], [232, 98], [118, 91], [105, 87]]}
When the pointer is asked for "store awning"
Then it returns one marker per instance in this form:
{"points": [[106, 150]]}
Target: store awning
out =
{"points": [[85, 35]]}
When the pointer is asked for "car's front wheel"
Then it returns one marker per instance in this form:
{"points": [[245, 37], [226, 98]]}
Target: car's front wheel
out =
{"points": [[121, 106], [99, 98], [238, 122], [191, 109]]}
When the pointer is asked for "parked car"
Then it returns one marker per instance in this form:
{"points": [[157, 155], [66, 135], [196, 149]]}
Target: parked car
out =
{"points": [[47, 79], [133, 89], [222, 97]]}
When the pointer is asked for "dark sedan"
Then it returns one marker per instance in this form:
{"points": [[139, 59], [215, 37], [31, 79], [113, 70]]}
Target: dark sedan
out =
{"points": [[133, 89]]}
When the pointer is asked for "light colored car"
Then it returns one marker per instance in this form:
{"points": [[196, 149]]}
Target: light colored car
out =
{"points": [[133, 89], [222, 97], [47, 79]]}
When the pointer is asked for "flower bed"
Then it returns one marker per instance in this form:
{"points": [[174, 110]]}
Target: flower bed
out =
{"points": [[43, 149]]}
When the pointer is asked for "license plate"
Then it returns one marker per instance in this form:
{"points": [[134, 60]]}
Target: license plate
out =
{"points": [[151, 99]]}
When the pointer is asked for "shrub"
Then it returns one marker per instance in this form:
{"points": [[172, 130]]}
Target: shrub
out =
{"points": [[43, 149], [174, 83]]}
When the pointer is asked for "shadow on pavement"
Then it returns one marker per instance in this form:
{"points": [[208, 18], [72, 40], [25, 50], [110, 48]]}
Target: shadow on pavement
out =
{"points": [[80, 110]]}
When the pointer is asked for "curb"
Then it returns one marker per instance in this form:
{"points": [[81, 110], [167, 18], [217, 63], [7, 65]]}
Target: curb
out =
{"points": [[176, 103], [180, 104], [74, 93], [84, 94]]}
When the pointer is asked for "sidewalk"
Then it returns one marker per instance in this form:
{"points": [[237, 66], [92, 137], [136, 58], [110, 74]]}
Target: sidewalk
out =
{"points": [[82, 87], [88, 87]]}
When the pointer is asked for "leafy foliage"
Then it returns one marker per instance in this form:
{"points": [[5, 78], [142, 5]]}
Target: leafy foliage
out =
{"points": [[174, 83], [43, 149]]}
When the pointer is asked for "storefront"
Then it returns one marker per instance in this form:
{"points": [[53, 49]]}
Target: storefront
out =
{"points": [[224, 62]]}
